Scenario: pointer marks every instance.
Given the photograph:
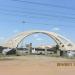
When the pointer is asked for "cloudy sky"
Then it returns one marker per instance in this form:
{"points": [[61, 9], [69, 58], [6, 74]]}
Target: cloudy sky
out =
{"points": [[24, 15]]}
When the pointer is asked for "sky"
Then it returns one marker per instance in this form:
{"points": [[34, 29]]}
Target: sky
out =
{"points": [[26, 15]]}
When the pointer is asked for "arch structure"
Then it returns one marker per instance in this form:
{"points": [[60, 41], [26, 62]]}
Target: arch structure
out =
{"points": [[64, 43]]}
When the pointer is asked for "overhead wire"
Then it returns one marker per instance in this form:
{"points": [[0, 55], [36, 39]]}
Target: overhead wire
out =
{"points": [[24, 13], [36, 13], [44, 4]]}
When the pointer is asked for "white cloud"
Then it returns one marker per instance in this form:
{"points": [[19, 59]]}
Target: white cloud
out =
{"points": [[56, 29], [2, 38], [16, 31], [36, 35], [39, 39]]}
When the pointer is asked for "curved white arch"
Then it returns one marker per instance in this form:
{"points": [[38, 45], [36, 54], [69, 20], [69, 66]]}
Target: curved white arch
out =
{"points": [[13, 42]]}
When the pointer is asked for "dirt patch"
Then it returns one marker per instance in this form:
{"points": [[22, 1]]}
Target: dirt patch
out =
{"points": [[35, 65]]}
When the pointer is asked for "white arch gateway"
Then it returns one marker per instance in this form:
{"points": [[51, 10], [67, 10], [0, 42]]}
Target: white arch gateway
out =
{"points": [[64, 44]]}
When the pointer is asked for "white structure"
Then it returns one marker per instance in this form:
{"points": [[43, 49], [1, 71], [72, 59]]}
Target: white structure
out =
{"points": [[64, 44], [4, 52]]}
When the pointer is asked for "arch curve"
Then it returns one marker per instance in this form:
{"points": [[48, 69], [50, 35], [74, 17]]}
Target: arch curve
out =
{"points": [[13, 42], [50, 36]]}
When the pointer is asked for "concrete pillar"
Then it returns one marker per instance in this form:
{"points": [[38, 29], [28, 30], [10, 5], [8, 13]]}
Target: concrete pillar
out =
{"points": [[29, 47], [58, 52], [46, 51], [29, 51]]}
